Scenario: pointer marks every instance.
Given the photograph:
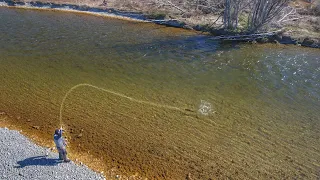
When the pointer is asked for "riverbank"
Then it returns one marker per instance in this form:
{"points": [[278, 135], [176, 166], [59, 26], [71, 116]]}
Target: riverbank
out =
{"points": [[22, 159], [304, 31], [25, 150]]}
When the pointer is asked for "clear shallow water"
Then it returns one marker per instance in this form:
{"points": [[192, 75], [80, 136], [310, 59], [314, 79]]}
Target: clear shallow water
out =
{"points": [[264, 98]]}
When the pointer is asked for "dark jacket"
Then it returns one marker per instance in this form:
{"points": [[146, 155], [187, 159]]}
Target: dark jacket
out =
{"points": [[59, 140]]}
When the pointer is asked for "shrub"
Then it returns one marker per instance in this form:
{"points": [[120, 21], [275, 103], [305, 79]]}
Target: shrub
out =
{"points": [[316, 10]]}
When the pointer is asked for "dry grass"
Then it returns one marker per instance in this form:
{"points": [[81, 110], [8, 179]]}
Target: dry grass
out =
{"points": [[190, 16], [309, 25]]}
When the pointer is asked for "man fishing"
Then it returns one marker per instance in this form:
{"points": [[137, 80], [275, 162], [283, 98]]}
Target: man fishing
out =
{"points": [[61, 145]]}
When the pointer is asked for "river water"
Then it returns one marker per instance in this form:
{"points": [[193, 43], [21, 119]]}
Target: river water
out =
{"points": [[240, 111]]}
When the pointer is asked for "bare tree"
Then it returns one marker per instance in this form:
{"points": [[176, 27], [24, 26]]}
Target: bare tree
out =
{"points": [[232, 11], [254, 14], [288, 14], [263, 11]]}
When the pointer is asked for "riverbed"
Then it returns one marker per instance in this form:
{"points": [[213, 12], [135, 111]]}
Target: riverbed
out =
{"points": [[195, 106]]}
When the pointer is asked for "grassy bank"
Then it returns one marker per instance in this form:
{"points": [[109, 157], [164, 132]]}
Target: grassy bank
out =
{"points": [[299, 23]]}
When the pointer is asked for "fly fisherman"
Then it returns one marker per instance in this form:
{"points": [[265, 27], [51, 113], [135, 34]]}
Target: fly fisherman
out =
{"points": [[61, 145]]}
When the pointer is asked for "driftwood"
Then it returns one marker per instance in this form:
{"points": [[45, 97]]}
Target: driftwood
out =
{"points": [[161, 20], [247, 37], [169, 3], [173, 5]]}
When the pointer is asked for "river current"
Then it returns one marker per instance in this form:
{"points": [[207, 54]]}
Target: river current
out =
{"points": [[245, 111]]}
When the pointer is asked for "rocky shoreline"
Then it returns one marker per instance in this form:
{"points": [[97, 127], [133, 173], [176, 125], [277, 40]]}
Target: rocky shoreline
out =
{"points": [[282, 37], [22, 159]]}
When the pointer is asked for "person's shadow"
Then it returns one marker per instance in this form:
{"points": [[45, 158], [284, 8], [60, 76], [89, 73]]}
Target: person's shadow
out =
{"points": [[38, 161]]}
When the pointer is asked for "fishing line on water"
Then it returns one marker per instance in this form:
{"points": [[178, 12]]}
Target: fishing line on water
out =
{"points": [[117, 94]]}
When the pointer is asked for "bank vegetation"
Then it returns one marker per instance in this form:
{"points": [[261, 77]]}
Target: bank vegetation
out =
{"points": [[297, 20]]}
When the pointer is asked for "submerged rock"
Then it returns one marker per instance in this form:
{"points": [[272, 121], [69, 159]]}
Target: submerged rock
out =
{"points": [[79, 135], [36, 127]]}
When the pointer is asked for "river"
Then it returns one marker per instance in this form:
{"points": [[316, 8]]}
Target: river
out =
{"points": [[195, 106]]}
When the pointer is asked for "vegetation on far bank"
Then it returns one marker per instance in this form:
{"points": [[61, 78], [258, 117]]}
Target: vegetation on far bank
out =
{"points": [[297, 19]]}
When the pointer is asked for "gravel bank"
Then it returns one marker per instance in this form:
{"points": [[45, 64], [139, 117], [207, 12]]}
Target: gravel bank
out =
{"points": [[22, 159]]}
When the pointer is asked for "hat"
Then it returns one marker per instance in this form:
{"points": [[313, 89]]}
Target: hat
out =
{"points": [[57, 132]]}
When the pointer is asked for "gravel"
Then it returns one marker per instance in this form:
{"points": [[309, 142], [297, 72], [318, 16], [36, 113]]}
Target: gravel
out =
{"points": [[22, 159]]}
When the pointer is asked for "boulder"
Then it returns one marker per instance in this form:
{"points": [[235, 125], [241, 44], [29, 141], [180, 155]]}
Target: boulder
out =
{"points": [[307, 42]]}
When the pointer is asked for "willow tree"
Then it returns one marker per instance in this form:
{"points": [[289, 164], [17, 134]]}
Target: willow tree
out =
{"points": [[259, 12], [263, 12], [231, 13]]}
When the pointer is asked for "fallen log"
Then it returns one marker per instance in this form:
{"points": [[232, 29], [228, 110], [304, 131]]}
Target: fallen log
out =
{"points": [[245, 36]]}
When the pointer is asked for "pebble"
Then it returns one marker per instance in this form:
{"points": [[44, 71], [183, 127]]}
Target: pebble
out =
{"points": [[18, 151], [36, 127]]}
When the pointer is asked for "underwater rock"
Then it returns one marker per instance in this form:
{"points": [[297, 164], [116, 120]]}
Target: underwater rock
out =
{"points": [[188, 176], [79, 135], [36, 127]]}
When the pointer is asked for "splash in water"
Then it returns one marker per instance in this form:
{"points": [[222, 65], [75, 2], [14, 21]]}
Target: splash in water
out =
{"points": [[205, 108]]}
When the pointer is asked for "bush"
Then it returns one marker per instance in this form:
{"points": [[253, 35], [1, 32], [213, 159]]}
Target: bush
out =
{"points": [[316, 10]]}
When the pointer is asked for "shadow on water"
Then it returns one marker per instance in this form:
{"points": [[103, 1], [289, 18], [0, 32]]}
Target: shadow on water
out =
{"points": [[38, 161], [186, 48]]}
